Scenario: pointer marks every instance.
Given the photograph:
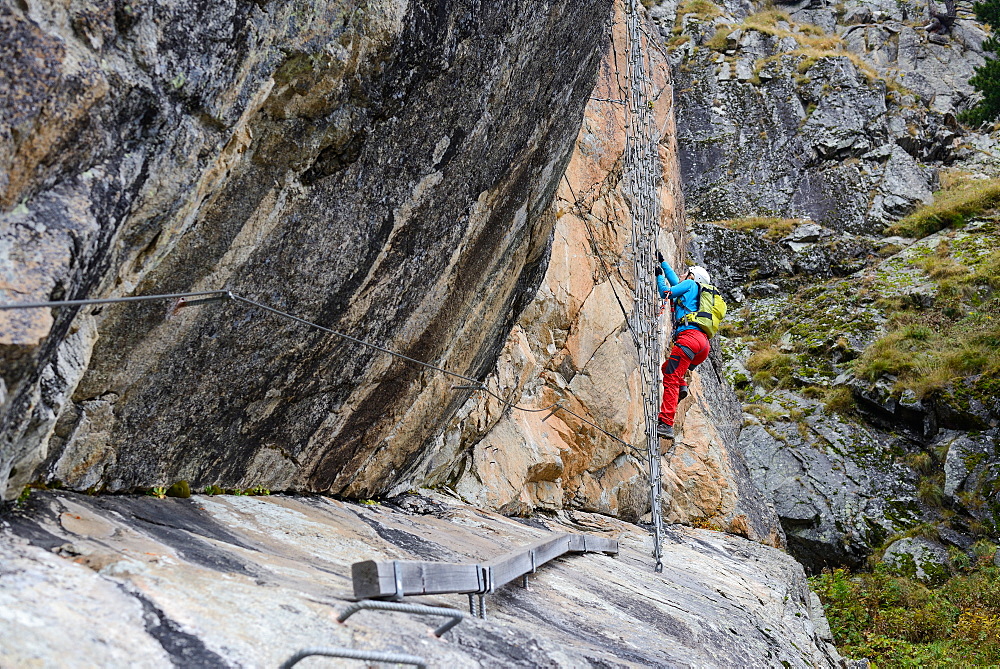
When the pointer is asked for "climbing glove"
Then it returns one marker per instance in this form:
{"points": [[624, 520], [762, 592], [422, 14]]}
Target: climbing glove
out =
{"points": [[659, 257], [658, 271]]}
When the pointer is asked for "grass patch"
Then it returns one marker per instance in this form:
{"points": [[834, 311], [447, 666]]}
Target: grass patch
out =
{"points": [[771, 368], [718, 41], [772, 22], [922, 462], [930, 492], [927, 320], [927, 351], [677, 40], [896, 621], [839, 401], [958, 201], [958, 336], [774, 228], [701, 9], [821, 49]]}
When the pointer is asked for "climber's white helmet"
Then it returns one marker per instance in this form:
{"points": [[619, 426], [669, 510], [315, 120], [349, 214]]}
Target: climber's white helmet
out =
{"points": [[700, 274]]}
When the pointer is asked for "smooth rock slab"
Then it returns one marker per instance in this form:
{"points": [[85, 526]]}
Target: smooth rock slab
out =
{"points": [[247, 581]]}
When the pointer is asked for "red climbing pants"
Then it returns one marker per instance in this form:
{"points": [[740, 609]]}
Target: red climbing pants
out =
{"points": [[690, 349]]}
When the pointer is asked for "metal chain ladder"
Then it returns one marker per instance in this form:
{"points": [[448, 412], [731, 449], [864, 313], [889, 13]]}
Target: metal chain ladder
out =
{"points": [[642, 175]]}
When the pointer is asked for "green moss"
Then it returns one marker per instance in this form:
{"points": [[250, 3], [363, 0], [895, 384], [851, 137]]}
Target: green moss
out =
{"points": [[180, 489]]}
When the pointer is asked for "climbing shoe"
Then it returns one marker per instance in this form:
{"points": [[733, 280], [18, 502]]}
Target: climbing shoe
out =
{"points": [[664, 431], [682, 393]]}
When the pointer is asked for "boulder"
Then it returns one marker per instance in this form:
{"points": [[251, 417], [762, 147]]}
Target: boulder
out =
{"points": [[919, 558], [807, 233], [972, 462]]}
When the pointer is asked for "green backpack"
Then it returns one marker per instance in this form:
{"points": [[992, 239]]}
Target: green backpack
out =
{"points": [[711, 310]]}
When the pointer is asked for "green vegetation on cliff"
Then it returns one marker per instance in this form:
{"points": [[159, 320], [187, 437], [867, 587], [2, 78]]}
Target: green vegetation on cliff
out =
{"points": [[960, 199], [926, 348], [898, 622], [924, 319], [987, 77]]}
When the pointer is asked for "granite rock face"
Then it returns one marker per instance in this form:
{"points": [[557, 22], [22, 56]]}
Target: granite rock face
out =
{"points": [[248, 581], [574, 345], [384, 169], [807, 112], [833, 488]]}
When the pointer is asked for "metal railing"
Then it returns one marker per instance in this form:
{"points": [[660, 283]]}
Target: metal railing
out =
{"points": [[395, 579]]}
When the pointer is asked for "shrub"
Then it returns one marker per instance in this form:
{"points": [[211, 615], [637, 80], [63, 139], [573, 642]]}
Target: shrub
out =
{"points": [[896, 621]]}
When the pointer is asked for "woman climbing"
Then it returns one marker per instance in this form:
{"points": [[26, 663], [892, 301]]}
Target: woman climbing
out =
{"points": [[698, 310]]}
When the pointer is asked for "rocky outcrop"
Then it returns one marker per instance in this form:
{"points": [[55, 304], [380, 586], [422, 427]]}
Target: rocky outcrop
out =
{"points": [[574, 346], [812, 127], [844, 482], [832, 485], [248, 581], [837, 115], [384, 169]]}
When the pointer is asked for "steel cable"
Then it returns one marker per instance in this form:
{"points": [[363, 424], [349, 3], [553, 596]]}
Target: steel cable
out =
{"points": [[641, 169], [226, 294]]}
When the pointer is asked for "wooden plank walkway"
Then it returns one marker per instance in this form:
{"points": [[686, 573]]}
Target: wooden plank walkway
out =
{"points": [[400, 578]]}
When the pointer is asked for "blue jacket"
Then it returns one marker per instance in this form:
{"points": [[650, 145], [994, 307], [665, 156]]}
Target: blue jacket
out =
{"points": [[684, 295]]}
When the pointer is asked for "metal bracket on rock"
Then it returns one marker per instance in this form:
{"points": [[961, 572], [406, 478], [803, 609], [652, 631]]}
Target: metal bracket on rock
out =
{"points": [[399, 607], [397, 576], [352, 654]]}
